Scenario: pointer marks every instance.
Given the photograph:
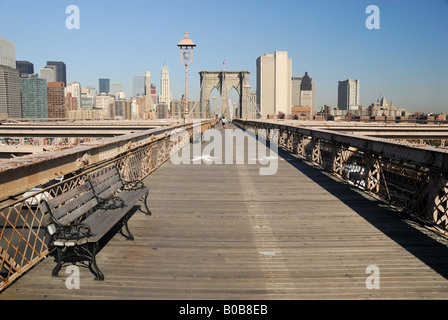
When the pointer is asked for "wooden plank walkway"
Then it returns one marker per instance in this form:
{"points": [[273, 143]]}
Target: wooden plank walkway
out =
{"points": [[225, 232]]}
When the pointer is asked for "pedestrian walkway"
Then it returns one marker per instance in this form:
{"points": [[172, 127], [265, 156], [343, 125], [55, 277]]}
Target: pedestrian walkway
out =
{"points": [[223, 231]]}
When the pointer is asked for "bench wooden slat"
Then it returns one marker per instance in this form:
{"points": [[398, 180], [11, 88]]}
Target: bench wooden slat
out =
{"points": [[65, 209], [75, 214], [57, 201], [105, 175], [103, 220], [109, 187]]}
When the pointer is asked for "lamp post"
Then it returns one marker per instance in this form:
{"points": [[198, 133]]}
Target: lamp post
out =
{"points": [[186, 57]]}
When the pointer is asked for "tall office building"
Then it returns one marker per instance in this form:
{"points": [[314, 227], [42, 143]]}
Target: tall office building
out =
{"points": [[138, 86], [304, 92], [274, 83], [148, 93], [348, 94], [7, 53], [25, 68], [48, 73], [33, 92], [115, 88], [74, 88], [61, 71], [56, 100], [165, 95], [104, 86], [10, 103]]}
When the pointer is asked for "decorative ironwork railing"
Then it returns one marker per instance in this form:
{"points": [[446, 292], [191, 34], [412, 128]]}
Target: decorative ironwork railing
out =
{"points": [[23, 238], [413, 179]]}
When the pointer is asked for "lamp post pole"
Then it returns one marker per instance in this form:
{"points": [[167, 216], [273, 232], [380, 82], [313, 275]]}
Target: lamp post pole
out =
{"points": [[186, 57]]}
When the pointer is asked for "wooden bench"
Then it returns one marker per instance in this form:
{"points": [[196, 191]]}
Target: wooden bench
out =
{"points": [[79, 218]]}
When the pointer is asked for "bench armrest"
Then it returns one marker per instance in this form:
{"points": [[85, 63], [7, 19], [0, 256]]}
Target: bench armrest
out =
{"points": [[110, 203], [132, 185], [73, 231]]}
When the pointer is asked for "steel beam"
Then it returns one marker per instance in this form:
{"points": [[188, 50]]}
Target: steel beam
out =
{"points": [[434, 158], [22, 173]]}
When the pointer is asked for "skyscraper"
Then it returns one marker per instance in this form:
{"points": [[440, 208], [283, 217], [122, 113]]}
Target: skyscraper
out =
{"points": [[274, 83], [115, 88], [104, 86], [165, 96], [148, 93], [61, 73], [48, 73], [9, 81], [25, 68], [304, 92], [348, 94], [33, 91], [138, 86], [7, 53], [56, 100]]}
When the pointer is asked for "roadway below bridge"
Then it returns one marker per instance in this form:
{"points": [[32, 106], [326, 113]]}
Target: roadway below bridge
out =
{"points": [[225, 232]]}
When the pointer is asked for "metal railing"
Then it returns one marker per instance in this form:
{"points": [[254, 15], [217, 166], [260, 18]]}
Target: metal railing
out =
{"points": [[413, 179], [23, 238]]}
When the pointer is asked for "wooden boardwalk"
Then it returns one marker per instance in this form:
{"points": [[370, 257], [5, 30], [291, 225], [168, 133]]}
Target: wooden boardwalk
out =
{"points": [[225, 232]]}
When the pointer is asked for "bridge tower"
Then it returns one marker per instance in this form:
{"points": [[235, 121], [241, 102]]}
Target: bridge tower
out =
{"points": [[224, 81]]}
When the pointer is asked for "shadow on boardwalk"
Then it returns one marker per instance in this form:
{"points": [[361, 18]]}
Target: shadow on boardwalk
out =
{"points": [[399, 227]]}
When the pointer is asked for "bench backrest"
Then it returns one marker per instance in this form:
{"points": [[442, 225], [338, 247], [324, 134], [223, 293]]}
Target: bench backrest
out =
{"points": [[69, 207], [108, 183]]}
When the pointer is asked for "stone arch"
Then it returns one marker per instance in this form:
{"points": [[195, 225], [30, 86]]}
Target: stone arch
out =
{"points": [[223, 81]]}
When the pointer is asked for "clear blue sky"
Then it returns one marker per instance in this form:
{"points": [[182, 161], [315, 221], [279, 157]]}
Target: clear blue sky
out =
{"points": [[406, 60]]}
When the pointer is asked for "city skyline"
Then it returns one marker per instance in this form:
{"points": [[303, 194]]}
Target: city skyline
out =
{"points": [[404, 60]]}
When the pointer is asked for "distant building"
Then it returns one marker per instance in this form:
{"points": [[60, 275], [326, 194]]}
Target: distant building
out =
{"points": [[25, 68], [10, 104], [162, 111], [115, 88], [348, 94], [75, 89], [104, 86], [120, 109], [384, 108], [10, 92], [165, 95], [84, 114], [149, 100], [61, 72], [7, 53], [71, 103], [274, 83], [33, 92], [87, 99], [304, 92], [103, 102], [138, 86], [140, 104], [48, 73], [56, 100]]}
